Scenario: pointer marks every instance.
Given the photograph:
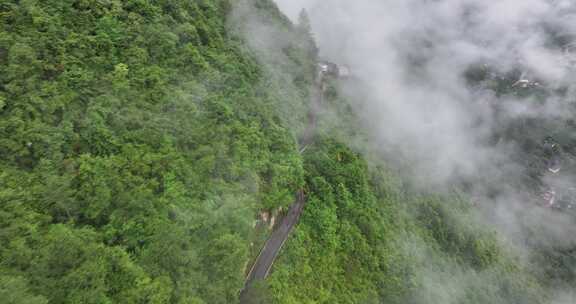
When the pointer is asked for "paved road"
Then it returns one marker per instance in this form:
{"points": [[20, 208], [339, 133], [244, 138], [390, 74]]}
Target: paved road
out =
{"points": [[277, 238], [269, 252]]}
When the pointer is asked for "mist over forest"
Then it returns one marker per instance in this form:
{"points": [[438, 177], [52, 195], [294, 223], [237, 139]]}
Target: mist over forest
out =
{"points": [[288, 151]]}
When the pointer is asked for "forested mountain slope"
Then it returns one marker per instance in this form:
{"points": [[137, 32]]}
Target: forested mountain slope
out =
{"points": [[135, 151], [140, 139]]}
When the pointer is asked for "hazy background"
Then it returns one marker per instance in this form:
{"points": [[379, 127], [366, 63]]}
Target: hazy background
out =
{"points": [[411, 57]]}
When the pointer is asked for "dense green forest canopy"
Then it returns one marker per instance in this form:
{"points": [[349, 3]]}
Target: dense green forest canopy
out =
{"points": [[140, 139], [135, 151]]}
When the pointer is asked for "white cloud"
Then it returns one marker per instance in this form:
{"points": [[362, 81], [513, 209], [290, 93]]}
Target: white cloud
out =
{"points": [[412, 56]]}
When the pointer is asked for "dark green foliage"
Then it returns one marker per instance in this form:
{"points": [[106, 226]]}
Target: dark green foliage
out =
{"points": [[472, 264], [257, 293], [451, 229], [558, 266]]}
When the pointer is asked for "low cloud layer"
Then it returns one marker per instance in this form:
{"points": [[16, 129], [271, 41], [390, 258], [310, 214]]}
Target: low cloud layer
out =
{"points": [[413, 57]]}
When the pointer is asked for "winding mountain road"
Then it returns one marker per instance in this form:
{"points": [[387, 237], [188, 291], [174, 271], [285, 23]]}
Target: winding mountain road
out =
{"points": [[273, 245]]}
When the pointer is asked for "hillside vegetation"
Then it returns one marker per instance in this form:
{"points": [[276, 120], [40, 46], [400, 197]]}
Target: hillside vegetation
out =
{"points": [[141, 138]]}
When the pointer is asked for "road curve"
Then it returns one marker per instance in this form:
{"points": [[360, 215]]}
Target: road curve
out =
{"points": [[273, 245]]}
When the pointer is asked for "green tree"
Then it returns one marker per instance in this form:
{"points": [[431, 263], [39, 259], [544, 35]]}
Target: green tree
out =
{"points": [[14, 290]]}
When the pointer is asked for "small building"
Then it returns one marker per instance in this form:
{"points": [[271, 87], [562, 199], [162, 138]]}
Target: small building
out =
{"points": [[525, 82], [332, 69]]}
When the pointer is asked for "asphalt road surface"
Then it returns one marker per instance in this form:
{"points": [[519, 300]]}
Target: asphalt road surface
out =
{"points": [[277, 238], [269, 252]]}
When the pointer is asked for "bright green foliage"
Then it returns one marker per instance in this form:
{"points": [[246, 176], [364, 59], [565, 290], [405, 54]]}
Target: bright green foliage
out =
{"points": [[139, 139], [340, 252], [14, 290], [135, 150], [361, 240]]}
